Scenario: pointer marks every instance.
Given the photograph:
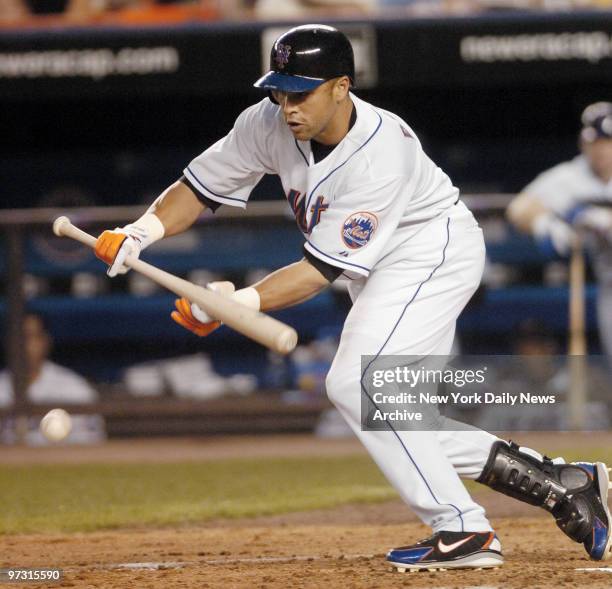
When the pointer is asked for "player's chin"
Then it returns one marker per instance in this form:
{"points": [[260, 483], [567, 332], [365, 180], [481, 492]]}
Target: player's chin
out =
{"points": [[300, 132]]}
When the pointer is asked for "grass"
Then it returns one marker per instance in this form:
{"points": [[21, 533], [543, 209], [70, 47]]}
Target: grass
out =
{"points": [[74, 498], [68, 498]]}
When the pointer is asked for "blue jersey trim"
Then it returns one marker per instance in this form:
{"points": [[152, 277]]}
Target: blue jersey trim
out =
{"points": [[345, 161], [342, 262], [364, 389], [195, 179], [300, 150]]}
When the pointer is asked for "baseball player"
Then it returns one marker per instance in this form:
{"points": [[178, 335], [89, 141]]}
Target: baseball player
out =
{"points": [[377, 212], [577, 195]]}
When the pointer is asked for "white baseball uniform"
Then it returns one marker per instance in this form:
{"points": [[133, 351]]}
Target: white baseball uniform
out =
{"points": [[568, 189], [381, 211]]}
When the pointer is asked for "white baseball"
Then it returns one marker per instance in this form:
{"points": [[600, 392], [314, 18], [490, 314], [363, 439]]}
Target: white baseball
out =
{"points": [[56, 425]]}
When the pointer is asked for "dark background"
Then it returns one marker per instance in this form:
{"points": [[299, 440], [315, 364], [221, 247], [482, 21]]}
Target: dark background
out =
{"points": [[121, 140]]}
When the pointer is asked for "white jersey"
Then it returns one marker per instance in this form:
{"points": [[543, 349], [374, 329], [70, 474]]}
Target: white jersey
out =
{"points": [[356, 206], [568, 185]]}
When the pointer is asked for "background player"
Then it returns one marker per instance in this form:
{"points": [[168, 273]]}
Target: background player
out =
{"points": [[577, 195], [375, 211], [49, 384]]}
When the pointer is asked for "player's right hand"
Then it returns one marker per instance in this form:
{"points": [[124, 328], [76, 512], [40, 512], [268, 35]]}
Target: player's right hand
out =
{"points": [[185, 317], [191, 317], [113, 247]]}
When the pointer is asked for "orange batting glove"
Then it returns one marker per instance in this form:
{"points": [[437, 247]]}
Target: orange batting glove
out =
{"points": [[108, 245], [184, 317], [114, 247]]}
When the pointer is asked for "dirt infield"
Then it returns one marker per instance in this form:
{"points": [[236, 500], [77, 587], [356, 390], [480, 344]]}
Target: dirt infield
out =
{"points": [[245, 554], [337, 548]]}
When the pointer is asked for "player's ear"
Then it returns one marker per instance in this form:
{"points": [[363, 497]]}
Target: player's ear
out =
{"points": [[341, 88]]}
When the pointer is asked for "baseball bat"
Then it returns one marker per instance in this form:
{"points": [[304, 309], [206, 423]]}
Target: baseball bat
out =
{"points": [[258, 326], [577, 346], [577, 335]]}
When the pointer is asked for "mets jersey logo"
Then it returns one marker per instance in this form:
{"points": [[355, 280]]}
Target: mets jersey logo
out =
{"points": [[298, 206], [358, 229], [282, 55]]}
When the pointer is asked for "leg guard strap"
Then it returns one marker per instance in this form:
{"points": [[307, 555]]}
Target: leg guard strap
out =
{"points": [[524, 477]]}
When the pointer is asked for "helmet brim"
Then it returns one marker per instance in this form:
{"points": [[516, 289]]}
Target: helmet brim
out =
{"points": [[286, 83]]}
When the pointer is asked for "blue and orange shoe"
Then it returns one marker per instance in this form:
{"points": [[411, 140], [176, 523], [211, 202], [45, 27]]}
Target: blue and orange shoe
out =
{"points": [[598, 538], [449, 550]]}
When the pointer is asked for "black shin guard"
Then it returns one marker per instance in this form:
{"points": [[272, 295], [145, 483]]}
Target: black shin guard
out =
{"points": [[558, 488]]}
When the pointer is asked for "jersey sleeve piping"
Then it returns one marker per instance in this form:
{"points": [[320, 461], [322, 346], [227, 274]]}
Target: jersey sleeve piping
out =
{"points": [[208, 193], [335, 261]]}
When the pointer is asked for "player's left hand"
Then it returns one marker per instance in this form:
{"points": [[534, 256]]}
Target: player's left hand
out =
{"points": [[191, 317], [113, 248]]}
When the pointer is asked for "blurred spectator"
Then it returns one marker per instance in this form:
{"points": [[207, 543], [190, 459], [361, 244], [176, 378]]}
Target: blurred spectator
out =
{"points": [[132, 10], [50, 384], [71, 8], [310, 364], [542, 371], [293, 9], [417, 8], [399, 4], [450, 7], [143, 11], [576, 196], [12, 10], [186, 377]]}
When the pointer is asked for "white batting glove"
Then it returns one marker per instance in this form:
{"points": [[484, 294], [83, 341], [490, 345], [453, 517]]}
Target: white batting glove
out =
{"points": [[224, 288], [191, 317], [131, 246], [549, 226], [245, 296]]}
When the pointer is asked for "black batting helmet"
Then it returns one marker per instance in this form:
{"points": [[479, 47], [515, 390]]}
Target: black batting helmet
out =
{"points": [[306, 56], [596, 122]]}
